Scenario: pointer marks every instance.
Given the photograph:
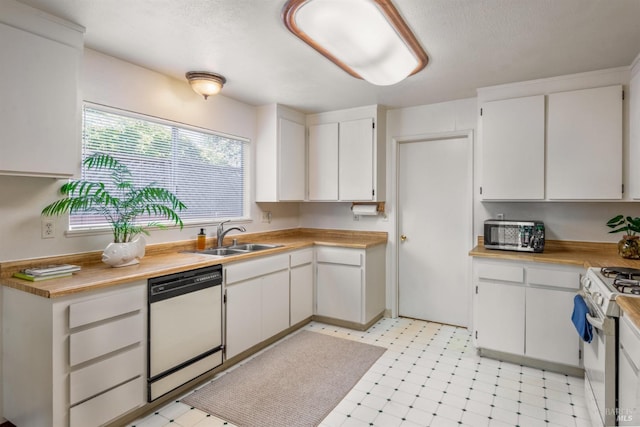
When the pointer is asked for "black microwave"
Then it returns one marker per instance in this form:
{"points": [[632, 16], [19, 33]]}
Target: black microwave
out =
{"points": [[525, 236]]}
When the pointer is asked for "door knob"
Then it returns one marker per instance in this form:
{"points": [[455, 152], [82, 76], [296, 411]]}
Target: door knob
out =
{"points": [[403, 237]]}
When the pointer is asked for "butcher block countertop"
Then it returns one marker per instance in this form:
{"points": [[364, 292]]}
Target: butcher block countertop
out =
{"points": [[631, 308], [583, 254], [168, 258]]}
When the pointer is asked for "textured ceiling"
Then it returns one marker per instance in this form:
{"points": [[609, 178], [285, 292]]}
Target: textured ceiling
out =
{"points": [[471, 44]]}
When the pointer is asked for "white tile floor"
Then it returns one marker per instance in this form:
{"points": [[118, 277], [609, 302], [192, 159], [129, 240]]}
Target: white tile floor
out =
{"points": [[431, 376]]}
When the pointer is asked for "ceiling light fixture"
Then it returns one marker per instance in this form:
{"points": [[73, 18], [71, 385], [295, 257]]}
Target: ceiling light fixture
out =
{"points": [[205, 83], [366, 38]]}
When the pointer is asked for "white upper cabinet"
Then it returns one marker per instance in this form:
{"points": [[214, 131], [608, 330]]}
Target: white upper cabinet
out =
{"points": [[323, 162], [513, 149], [634, 132], [292, 155], [346, 155], [39, 107], [355, 164], [280, 155], [584, 144]]}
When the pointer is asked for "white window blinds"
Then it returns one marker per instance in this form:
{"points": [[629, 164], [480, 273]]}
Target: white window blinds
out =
{"points": [[205, 170]]}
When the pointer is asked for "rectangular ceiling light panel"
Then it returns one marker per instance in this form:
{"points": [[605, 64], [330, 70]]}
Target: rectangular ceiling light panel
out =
{"points": [[366, 38]]}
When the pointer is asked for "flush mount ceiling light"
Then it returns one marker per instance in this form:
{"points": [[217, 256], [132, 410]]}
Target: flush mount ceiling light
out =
{"points": [[366, 38], [205, 83]]}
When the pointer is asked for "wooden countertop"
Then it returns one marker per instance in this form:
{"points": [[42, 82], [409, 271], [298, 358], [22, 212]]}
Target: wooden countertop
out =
{"points": [[583, 254], [168, 258], [631, 308]]}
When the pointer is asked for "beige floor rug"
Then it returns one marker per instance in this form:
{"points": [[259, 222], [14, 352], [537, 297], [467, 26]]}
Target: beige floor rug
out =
{"points": [[296, 383]]}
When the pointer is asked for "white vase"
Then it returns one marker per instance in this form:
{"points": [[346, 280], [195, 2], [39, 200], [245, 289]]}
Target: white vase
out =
{"points": [[124, 254]]}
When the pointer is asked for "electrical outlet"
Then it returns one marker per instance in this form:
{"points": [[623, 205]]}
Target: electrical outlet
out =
{"points": [[266, 217], [48, 229], [500, 216]]}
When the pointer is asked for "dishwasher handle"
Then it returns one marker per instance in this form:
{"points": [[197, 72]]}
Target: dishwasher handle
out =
{"points": [[179, 286]]}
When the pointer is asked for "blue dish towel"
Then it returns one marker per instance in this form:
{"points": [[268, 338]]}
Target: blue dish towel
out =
{"points": [[579, 318]]}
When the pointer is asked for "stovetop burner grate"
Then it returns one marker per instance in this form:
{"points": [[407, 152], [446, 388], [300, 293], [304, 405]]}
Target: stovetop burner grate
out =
{"points": [[626, 280], [621, 272]]}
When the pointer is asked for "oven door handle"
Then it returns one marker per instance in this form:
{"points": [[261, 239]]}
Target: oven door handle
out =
{"points": [[595, 322]]}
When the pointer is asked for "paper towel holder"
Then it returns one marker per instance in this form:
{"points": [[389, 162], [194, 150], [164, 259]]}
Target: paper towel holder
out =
{"points": [[379, 205]]}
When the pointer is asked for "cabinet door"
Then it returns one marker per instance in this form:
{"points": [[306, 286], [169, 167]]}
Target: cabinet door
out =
{"points": [[550, 334], [513, 149], [584, 144], [634, 136], [339, 292], [40, 125], [628, 389], [628, 374], [356, 160], [275, 303], [301, 293], [500, 317], [323, 162], [244, 316], [291, 167]]}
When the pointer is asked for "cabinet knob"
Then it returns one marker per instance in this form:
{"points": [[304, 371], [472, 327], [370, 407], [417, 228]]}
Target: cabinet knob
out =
{"points": [[403, 237]]}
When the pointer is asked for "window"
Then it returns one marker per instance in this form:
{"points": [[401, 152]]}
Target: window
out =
{"points": [[205, 170]]}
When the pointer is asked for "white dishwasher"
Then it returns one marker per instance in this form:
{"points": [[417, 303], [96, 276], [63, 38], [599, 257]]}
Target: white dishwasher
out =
{"points": [[185, 328]]}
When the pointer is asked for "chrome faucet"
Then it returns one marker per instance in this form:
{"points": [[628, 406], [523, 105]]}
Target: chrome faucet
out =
{"points": [[221, 232]]}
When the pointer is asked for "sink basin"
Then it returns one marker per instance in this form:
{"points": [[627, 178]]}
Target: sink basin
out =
{"points": [[236, 250], [251, 247], [222, 251]]}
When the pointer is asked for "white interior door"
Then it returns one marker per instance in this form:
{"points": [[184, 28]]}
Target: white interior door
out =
{"points": [[435, 216]]}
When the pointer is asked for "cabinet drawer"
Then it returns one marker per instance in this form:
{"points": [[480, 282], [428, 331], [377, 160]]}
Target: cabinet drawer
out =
{"points": [[103, 339], [95, 379], [301, 257], [339, 256], [507, 273], [107, 406], [254, 268], [85, 312], [630, 340], [557, 278]]}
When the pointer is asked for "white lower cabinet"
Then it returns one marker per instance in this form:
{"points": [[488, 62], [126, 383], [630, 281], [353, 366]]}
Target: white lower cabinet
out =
{"points": [[73, 361], [340, 291], [628, 373], [257, 301], [525, 309], [500, 328], [350, 283], [301, 285], [550, 333]]}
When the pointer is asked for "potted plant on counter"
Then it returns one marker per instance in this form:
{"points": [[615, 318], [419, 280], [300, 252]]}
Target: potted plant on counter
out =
{"points": [[629, 245], [121, 203]]}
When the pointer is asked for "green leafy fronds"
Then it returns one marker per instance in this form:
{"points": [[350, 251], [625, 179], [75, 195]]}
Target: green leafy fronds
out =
{"points": [[622, 224], [122, 207]]}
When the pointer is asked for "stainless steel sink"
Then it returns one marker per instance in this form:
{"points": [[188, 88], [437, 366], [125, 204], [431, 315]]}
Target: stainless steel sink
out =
{"points": [[222, 251], [236, 250], [251, 247]]}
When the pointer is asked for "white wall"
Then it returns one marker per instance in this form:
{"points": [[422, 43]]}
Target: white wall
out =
{"points": [[116, 83]]}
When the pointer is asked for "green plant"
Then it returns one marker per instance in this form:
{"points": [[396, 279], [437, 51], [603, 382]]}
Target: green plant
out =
{"points": [[121, 203], [630, 226]]}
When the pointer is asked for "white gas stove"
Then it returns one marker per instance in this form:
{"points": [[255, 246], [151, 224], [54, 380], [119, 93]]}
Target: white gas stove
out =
{"points": [[600, 287]]}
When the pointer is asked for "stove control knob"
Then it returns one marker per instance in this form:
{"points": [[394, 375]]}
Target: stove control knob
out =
{"points": [[598, 298], [586, 283]]}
